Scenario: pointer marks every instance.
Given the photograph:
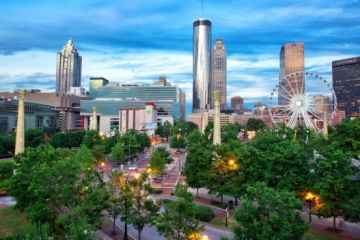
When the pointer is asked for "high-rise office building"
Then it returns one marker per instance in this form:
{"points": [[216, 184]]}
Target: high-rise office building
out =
{"points": [[201, 64], [346, 84], [218, 72], [237, 103], [291, 61], [68, 68]]}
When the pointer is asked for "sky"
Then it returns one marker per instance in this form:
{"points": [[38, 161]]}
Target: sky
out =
{"points": [[138, 40]]}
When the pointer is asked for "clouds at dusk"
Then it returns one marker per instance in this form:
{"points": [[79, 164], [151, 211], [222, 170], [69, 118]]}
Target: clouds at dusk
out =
{"points": [[136, 41]]}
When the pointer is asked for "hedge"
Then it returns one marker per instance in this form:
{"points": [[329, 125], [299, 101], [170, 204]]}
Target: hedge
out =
{"points": [[6, 169], [203, 213]]}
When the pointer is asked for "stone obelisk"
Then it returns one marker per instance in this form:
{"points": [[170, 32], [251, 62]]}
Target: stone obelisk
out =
{"points": [[20, 143], [217, 133], [94, 120]]}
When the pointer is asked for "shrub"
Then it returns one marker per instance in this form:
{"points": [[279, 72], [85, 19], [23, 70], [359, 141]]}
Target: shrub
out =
{"points": [[219, 204], [6, 169], [203, 213], [158, 191], [4, 186]]}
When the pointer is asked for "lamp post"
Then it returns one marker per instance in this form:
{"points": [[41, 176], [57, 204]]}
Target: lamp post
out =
{"points": [[102, 165], [126, 210], [226, 217], [309, 199]]}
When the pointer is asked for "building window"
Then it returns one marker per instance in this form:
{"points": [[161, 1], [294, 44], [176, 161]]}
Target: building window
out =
{"points": [[114, 123]]}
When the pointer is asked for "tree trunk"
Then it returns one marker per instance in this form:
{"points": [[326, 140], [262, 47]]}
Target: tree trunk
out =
{"points": [[197, 192], [222, 198], [334, 223], [139, 235], [236, 201], [113, 231]]}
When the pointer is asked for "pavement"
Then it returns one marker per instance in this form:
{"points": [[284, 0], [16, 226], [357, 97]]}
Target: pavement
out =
{"points": [[6, 202]]}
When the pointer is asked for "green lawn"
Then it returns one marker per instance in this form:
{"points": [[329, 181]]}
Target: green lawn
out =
{"points": [[311, 235], [7, 160], [10, 222]]}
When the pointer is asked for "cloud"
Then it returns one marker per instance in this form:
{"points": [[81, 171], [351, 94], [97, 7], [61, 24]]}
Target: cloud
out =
{"points": [[136, 41]]}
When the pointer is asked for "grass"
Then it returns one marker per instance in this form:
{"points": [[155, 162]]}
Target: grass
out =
{"points": [[311, 235], [7, 160], [220, 222], [10, 222]]}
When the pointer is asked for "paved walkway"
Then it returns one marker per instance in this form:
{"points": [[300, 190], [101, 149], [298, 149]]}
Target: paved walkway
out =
{"points": [[6, 202]]}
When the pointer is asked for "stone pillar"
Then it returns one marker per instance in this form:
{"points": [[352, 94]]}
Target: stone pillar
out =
{"points": [[94, 120], [325, 122], [217, 133], [20, 142]]}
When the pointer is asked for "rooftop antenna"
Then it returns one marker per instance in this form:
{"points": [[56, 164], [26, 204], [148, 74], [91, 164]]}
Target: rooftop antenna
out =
{"points": [[202, 8]]}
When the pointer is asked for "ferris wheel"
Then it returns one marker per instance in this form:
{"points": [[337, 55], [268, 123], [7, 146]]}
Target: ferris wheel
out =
{"points": [[302, 98]]}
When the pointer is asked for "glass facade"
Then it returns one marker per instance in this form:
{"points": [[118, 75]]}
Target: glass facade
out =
{"points": [[36, 115], [346, 84], [201, 64]]}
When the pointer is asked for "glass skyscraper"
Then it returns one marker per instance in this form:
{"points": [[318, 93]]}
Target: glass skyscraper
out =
{"points": [[201, 64], [291, 61], [68, 68], [346, 84]]}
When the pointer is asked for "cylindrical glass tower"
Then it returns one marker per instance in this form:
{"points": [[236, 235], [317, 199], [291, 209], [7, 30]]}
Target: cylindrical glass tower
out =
{"points": [[201, 64]]}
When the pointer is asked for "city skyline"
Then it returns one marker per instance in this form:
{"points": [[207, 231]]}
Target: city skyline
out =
{"points": [[139, 41]]}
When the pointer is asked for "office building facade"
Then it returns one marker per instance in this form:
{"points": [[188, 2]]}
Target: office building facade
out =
{"points": [[68, 69], [201, 64], [291, 61], [36, 115], [346, 84], [218, 72], [114, 97]]}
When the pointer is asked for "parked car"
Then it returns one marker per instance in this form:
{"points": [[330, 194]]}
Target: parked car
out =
{"points": [[133, 167]]}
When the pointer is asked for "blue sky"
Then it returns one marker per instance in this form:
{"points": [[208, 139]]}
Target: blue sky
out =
{"points": [[138, 40]]}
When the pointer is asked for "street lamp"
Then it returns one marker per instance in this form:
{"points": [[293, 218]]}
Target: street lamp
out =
{"points": [[102, 165], [309, 199], [226, 217], [126, 209]]}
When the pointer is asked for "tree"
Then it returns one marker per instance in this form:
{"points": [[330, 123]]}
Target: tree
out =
{"points": [[158, 160], [131, 145], [53, 186], [346, 136], [67, 139], [333, 171], [92, 138], [267, 213], [198, 161], [98, 152], [177, 141], [184, 128], [115, 203], [34, 137], [254, 124], [143, 210], [224, 167], [177, 221], [7, 143], [118, 152], [144, 140], [280, 162], [230, 132], [164, 130]]}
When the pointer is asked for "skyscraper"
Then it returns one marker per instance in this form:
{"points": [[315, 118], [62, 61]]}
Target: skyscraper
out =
{"points": [[201, 64], [68, 68], [346, 84], [218, 72], [237, 103], [291, 61]]}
